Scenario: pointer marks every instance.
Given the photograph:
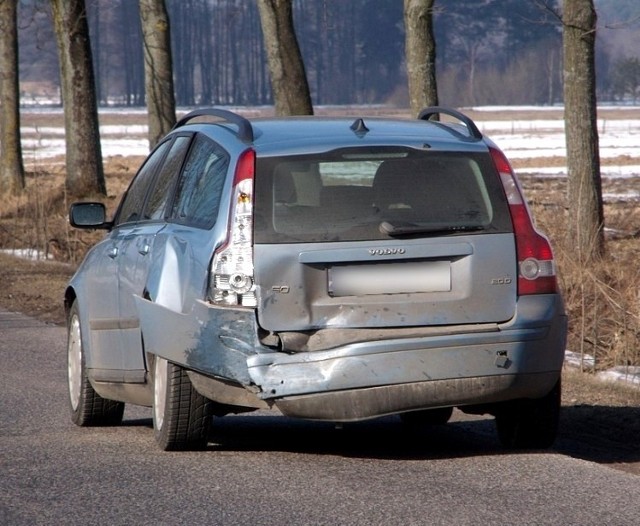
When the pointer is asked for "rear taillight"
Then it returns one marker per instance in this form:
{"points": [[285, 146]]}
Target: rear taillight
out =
{"points": [[536, 266], [231, 280]]}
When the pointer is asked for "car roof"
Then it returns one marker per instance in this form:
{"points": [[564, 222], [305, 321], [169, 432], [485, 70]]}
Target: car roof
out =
{"points": [[312, 134]]}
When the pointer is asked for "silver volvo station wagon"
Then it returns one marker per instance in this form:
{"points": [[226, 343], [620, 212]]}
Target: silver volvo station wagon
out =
{"points": [[335, 269]]}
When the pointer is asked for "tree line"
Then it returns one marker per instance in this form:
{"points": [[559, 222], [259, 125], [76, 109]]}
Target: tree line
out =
{"points": [[489, 51], [280, 70]]}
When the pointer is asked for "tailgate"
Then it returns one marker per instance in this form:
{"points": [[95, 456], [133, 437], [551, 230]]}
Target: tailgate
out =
{"points": [[419, 282]]}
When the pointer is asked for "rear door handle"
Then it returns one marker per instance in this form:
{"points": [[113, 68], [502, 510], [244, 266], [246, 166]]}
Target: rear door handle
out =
{"points": [[113, 252], [144, 250]]}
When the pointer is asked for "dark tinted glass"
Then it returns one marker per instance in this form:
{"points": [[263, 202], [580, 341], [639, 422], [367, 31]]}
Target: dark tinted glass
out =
{"points": [[164, 183], [200, 186], [131, 207], [352, 195]]}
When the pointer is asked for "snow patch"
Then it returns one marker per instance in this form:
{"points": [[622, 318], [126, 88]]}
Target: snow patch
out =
{"points": [[626, 374], [31, 254]]}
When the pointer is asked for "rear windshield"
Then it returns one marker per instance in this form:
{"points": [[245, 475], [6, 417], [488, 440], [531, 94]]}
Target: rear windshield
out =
{"points": [[355, 194]]}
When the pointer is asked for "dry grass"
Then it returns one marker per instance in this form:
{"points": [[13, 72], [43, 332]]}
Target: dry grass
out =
{"points": [[38, 218], [603, 307], [35, 288], [601, 298]]}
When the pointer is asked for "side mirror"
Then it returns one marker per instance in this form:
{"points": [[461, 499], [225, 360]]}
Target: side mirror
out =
{"points": [[88, 215]]}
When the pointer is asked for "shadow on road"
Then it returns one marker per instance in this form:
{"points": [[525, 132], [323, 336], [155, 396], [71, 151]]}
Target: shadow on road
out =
{"points": [[602, 434], [384, 438]]}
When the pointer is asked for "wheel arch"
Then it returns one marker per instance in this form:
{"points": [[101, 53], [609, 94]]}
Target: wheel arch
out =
{"points": [[69, 297]]}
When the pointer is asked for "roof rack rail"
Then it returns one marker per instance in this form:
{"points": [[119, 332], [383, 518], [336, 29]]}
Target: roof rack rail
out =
{"points": [[474, 132], [245, 130]]}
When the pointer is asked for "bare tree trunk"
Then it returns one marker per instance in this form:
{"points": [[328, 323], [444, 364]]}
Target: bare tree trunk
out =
{"points": [[98, 46], [471, 85], [11, 167], [288, 77], [420, 52], [85, 173], [158, 69], [550, 76], [586, 216], [128, 21]]}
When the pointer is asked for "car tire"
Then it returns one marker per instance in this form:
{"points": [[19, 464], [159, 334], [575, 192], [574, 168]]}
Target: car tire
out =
{"points": [[427, 417], [530, 424], [87, 407], [181, 416]]}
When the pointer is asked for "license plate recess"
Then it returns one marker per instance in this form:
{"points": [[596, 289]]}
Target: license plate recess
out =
{"points": [[389, 278]]}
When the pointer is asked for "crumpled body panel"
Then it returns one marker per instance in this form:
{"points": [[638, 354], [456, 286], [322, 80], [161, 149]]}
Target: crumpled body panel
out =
{"points": [[207, 339], [224, 343]]}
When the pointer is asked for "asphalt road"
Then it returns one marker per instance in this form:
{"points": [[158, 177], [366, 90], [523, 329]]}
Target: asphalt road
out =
{"points": [[264, 469]]}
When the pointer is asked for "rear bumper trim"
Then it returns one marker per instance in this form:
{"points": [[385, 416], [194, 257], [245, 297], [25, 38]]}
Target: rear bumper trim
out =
{"points": [[373, 402], [394, 362]]}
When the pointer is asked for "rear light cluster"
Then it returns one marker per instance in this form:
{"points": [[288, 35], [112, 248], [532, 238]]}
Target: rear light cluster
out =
{"points": [[231, 281], [536, 266]]}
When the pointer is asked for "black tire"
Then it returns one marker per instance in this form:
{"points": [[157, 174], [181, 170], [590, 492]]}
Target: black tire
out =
{"points": [[427, 417], [87, 407], [530, 424], [181, 416]]}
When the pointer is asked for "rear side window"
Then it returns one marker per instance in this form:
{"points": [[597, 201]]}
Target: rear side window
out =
{"points": [[200, 186], [131, 207], [353, 195], [163, 186]]}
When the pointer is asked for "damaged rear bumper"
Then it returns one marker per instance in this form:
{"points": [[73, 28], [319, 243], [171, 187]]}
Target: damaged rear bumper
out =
{"points": [[360, 404], [362, 380]]}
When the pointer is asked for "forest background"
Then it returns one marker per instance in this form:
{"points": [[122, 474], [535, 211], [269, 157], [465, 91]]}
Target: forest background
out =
{"points": [[488, 53]]}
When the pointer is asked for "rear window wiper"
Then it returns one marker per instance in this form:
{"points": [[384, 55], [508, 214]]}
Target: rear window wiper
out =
{"points": [[410, 228]]}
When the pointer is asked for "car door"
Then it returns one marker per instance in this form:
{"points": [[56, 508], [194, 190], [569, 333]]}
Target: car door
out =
{"points": [[182, 250], [138, 247], [98, 293], [108, 325]]}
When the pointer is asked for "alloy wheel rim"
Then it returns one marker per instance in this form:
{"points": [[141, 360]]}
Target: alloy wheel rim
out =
{"points": [[74, 362], [159, 390]]}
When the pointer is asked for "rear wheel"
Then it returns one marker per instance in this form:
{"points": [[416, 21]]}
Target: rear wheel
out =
{"points": [[427, 417], [88, 408], [181, 416], [531, 424]]}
